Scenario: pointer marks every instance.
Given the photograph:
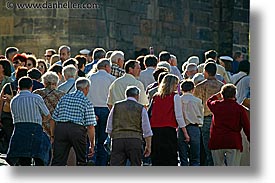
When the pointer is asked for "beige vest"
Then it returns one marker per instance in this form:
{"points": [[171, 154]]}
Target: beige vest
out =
{"points": [[127, 119]]}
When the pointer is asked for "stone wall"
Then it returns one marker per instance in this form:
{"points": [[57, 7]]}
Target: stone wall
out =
{"points": [[183, 27]]}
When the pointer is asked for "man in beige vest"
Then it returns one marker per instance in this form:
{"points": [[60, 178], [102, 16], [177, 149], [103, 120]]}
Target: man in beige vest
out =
{"points": [[127, 122]]}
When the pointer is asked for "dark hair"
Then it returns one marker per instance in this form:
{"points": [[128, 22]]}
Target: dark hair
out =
{"points": [[6, 66], [211, 54], [141, 62], [161, 76], [10, 50], [150, 61], [164, 56], [210, 68], [56, 68], [237, 54], [82, 60], [70, 61], [98, 53], [244, 66], [44, 63], [187, 85], [228, 91], [25, 83], [34, 73], [33, 59], [157, 72], [132, 91], [21, 72], [130, 64]]}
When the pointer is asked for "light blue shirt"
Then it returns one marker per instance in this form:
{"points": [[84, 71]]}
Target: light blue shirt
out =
{"points": [[28, 107], [68, 86], [76, 108], [99, 89]]}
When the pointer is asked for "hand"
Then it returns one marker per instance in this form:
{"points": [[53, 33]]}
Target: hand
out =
{"points": [[187, 138], [147, 151], [52, 140], [91, 151], [96, 117]]}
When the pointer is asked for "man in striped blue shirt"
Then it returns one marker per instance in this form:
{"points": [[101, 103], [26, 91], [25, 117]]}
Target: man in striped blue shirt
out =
{"points": [[74, 116], [28, 140]]}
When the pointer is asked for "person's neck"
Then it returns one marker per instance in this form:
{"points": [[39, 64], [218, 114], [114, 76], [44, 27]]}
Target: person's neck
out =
{"points": [[211, 77]]}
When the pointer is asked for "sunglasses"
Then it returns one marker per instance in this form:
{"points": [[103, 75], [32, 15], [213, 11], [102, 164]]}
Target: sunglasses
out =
{"points": [[29, 64], [47, 55], [40, 67], [17, 62]]}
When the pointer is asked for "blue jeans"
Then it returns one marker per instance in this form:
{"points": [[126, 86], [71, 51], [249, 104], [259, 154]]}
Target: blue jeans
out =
{"points": [[189, 150], [205, 139], [101, 156]]}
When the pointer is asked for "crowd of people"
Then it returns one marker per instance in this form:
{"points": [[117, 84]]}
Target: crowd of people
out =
{"points": [[98, 109]]}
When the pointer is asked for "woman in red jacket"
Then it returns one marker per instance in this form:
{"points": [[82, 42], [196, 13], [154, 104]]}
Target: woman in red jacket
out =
{"points": [[165, 118], [229, 118]]}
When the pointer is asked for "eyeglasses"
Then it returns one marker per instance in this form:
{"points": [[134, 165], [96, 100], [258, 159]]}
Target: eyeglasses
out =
{"points": [[16, 62]]}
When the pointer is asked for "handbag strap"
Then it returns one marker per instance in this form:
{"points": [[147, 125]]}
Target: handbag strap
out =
{"points": [[48, 94], [11, 91], [240, 80]]}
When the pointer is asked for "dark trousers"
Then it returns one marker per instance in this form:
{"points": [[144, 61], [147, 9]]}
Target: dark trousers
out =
{"points": [[164, 147], [126, 148], [8, 127], [67, 135], [23, 161], [101, 156]]}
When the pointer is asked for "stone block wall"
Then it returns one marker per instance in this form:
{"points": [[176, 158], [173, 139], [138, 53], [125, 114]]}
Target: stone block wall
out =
{"points": [[183, 27]]}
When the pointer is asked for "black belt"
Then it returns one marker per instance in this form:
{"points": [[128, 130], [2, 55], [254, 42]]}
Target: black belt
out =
{"points": [[208, 116], [191, 124]]}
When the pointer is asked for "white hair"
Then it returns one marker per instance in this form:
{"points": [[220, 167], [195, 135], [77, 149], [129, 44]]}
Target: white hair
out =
{"points": [[116, 55], [69, 71]]}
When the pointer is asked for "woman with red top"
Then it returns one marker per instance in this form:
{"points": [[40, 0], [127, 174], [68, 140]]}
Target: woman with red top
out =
{"points": [[166, 116], [229, 118]]}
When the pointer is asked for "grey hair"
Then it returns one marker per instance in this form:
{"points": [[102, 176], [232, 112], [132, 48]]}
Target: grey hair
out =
{"points": [[132, 91], [164, 64], [82, 83], [50, 78], [64, 47], [101, 64], [69, 71], [116, 55]]}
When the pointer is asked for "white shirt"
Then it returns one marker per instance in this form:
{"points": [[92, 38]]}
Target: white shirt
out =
{"points": [[146, 76], [178, 111], [175, 71], [192, 109], [243, 86], [146, 128], [99, 89]]}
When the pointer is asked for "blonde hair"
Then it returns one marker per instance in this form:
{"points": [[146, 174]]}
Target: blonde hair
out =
{"points": [[167, 85]]}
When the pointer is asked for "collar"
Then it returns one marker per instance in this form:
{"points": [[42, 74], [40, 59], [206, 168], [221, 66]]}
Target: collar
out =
{"points": [[132, 98], [129, 75], [24, 91]]}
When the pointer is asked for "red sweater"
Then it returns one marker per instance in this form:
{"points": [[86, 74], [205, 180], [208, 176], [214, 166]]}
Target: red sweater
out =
{"points": [[228, 120], [163, 112]]}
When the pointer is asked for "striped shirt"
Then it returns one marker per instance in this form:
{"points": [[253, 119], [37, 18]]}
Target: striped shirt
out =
{"points": [[28, 107], [75, 108]]}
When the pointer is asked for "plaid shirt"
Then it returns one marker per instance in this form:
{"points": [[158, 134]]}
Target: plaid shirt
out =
{"points": [[75, 108], [117, 71]]}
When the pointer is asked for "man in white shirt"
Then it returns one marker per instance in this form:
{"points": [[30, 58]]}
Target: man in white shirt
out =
{"points": [[98, 93], [146, 76], [118, 87]]}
